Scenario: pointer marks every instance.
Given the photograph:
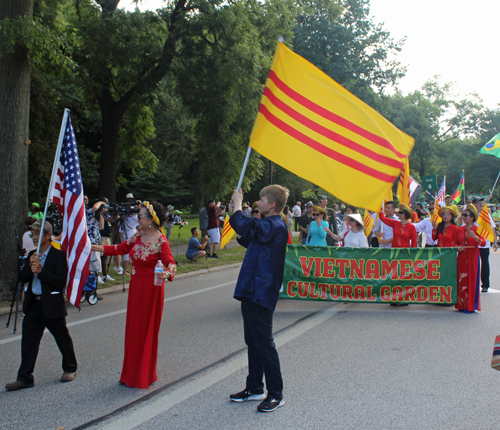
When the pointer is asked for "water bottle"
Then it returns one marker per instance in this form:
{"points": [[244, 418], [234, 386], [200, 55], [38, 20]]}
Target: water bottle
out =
{"points": [[158, 272]]}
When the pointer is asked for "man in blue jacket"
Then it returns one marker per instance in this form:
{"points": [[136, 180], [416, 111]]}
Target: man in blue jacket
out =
{"points": [[258, 286]]}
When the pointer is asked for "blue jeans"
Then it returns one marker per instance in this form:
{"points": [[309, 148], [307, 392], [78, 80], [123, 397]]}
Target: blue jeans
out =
{"points": [[262, 355]]}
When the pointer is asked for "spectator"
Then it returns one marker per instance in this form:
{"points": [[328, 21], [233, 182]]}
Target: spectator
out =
{"points": [[245, 208], [28, 244], [95, 223], [289, 218], [256, 213], [222, 215], [35, 211], [105, 239], [213, 226], [317, 233], [304, 222], [195, 249], [484, 250], [332, 220], [447, 200], [170, 221], [116, 239], [128, 228], [296, 214]]}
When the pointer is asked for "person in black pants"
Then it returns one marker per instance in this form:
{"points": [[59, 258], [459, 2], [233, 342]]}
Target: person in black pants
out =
{"points": [[44, 307], [258, 286]]}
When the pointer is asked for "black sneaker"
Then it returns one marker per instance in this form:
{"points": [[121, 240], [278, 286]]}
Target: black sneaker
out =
{"points": [[271, 404], [215, 256], [245, 396]]}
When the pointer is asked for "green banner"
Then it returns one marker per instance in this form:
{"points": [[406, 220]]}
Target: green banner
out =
{"points": [[371, 275]]}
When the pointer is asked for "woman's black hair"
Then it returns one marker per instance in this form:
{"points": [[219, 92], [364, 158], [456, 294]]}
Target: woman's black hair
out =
{"points": [[440, 227]]}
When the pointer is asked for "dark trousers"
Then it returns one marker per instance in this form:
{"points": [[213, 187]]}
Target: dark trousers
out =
{"points": [[296, 223], [34, 324], [262, 355], [484, 253]]}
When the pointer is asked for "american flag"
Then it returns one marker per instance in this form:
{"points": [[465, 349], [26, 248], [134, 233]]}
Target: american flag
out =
{"points": [[67, 194], [441, 193]]}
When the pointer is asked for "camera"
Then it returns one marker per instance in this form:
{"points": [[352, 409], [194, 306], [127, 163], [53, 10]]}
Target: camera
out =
{"points": [[124, 209], [55, 219]]}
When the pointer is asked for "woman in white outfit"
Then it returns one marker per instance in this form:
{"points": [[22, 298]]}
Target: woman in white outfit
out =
{"points": [[354, 236]]}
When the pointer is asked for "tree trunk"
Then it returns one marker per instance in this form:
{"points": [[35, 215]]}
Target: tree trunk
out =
{"points": [[111, 117], [14, 123]]}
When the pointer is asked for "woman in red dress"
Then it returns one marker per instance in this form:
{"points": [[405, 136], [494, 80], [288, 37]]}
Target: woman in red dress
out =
{"points": [[145, 299], [468, 243], [446, 230], [404, 232]]}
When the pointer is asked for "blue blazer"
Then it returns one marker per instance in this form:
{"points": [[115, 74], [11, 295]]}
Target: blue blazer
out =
{"points": [[261, 273]]}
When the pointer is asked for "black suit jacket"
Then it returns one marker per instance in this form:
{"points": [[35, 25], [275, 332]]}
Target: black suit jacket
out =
{"points": [[53, 279]]}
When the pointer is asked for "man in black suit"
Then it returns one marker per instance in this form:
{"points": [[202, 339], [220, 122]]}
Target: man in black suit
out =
{"points": [[44, 307]]}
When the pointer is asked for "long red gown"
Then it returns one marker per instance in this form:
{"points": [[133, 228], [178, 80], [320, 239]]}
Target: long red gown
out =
{"points": [[446, 239], [144, 308], [467, 271]]}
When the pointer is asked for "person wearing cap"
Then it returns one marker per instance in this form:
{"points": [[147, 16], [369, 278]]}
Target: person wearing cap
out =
{"points": [[355, 236], [35, 211], [467, 240], [383, 231], [484, 250], [304, 222], [404, 232], [317, 229], [44, 308], [330, 216], [296, 214], [170, 221], [444, 233]]}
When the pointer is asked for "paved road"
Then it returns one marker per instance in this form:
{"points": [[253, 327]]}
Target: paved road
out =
{"points": [[344, 366]]}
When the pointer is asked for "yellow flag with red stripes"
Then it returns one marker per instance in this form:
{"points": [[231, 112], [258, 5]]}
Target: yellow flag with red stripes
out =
{"points": [[368, 221], [227, 233], [484, 228], [435, 216], [403, 192], [315, 128]]}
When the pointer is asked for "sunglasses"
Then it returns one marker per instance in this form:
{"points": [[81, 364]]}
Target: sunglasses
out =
{"points": [[466, 215], [315, 214], [401, 212]]}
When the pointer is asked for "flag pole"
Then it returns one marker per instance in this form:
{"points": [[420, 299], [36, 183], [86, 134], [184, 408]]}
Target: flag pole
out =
{"points": [[491, 192], [54, 170], [249, 150]]}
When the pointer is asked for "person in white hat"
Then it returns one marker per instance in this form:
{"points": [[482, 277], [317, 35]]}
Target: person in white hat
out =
{"points": [[355, 236]]}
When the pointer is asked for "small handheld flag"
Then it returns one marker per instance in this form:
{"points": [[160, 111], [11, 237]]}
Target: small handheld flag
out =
{"points": [[457, 195], [368, 221], [484, 228], [227, 233]]}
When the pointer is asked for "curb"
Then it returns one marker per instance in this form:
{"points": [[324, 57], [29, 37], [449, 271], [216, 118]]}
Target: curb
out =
{"points": [[119, 288]]}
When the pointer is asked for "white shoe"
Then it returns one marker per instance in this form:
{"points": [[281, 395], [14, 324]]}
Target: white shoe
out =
{"points": [[99, 280], [109, 278], [119, 270]]}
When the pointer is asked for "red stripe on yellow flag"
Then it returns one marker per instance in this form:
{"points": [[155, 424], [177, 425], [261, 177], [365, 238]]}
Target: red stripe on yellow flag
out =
{"points": [[403, 191], [227, 233], [484, 228], [312, 126]]}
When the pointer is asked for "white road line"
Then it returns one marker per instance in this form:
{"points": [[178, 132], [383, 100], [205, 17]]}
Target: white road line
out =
{"points": [[121, 311], [162, 403]]}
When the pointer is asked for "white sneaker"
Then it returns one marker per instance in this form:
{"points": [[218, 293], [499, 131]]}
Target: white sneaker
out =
{"points": [[109, 278], [119, 270], [99, 280]]}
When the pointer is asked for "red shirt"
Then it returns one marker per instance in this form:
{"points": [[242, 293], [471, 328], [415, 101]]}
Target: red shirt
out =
{"points": [[446, 239], [403, 234]]}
